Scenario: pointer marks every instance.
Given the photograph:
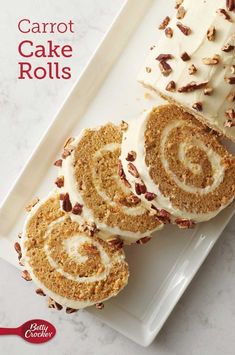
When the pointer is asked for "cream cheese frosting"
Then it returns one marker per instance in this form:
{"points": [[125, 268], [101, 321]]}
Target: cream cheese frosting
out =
{"points": [[134, 140], [214, 102]]}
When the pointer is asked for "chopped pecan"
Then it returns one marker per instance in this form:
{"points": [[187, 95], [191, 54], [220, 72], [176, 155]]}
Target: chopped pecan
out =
{"points": [[91, 249], [140, 188], [183, 28], [131, 156], [211, 33], [185, 57], [230, 80], [148, 69], [124, 126], [132, 170], [184, 223], [164, 216], [171, 86], [165, 68], [120, 170], [228, 48], [31, 204], [164, 23], [231, 97], [230, 113], [53, 304], [192, 86], [115, 242], [178, 3], [66, 204], [40, 292], [26, 276], [143, 240], [208, 91], [150, 196], [70, 310], [67, 152], [90, 228], [197, 106], [223, 12], [99, 305], [229, 123], [164, 57], [169, 32], [192, 69], [77, 208], [133, 199], [230, 4], [18, 248], [212, 61], [59, 181], [180, 13], [58, 162]]}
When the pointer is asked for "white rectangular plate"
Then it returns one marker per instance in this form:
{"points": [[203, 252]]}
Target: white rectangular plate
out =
{"points": [[108, 91]]}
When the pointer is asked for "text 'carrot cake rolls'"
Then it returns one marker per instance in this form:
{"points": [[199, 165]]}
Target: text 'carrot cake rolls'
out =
{"points": [[193, 65], [180, 168], [74, 269], [95, 189]]}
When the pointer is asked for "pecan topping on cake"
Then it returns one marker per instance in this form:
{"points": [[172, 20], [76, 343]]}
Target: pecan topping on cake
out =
{"points": [[164, 23], [169, 32], [66, 204], [165, 68], [77, 208], [197, 106], [230, 113], [228, 48], [131, 156], [211, 33], [192, 86], [184, 223], [185, 57], [180, 13], [230, 80], [140, 188], [211, 61], [192, 69], [59, 182], [150, 196], [26, 276], [164, 57], [58, 162], [208, 91], [132, 170], [171, 86], [224, 13], [178, 3], [184, 29], [230, 4], [143, 240]]}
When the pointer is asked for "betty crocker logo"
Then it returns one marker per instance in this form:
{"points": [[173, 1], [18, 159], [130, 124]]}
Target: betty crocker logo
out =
{"points": [[34, 331]]}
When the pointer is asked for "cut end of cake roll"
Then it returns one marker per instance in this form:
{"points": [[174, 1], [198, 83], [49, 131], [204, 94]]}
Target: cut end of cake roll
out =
{"points": [[188, 175], [74, 269], [96, 190], [195, 67]]}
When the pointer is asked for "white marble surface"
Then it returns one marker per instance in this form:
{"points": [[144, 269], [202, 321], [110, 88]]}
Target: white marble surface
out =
{"points": [[203, 322]]}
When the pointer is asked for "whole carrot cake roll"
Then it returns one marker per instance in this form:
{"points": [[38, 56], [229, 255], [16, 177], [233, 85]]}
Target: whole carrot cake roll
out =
{"points": [[179, 167], [193, 65]]}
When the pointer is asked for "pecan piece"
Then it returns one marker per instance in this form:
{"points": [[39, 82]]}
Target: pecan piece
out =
{"points": [[150, 196], [18, 248], [208, 91], [66, 204], [115, 242], [124, 126], [164, 216], [184, 223], [229, 123], [223, 12], [70, 310], [178, 3], [169, 32], [99, 305], [211, 33], [185, 57], [171, 86], [53, 304], [26, 275], [58, 162], [120, 170], [184, 29], [230, 4], [165, 68], [180, 13], [212, 61], [131, 156], [164, 57], [132, 170], [133, 199], [31, 204], [230, 80], [140, 188], [77, 208], [143, 240], [228, 48], [40, 292], [164, 23], [59, 182], [192, 86], [197, 106], [192, 69], [230, 113]]}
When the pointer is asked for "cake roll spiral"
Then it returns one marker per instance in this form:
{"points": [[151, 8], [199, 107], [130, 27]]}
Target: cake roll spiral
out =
{"points": [[96, 190], [181, 169], [69, 265]]}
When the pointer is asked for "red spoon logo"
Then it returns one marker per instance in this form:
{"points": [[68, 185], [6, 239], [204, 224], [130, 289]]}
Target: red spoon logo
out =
{"points": [[34, 331]]}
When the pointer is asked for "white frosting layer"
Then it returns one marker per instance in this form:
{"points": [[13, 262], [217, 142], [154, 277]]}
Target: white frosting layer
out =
{"points": [[71, 246], [200, 15], [70, 186], [133, 139]]}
